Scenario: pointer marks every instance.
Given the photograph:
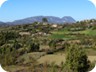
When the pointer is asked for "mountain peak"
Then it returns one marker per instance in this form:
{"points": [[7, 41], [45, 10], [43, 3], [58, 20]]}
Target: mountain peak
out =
{"points": [[68, 19]]}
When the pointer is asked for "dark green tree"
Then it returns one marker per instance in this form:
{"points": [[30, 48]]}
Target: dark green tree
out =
{"points": [[77, 60], [44, 20], [52, 44], [8, 57], [34, 47], [16, 45]]}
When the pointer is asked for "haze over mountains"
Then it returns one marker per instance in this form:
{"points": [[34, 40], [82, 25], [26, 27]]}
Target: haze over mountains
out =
{"points": [[51, 19]]}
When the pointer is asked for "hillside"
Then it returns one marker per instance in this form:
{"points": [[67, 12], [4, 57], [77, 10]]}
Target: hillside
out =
{"points": [[39, 46]]}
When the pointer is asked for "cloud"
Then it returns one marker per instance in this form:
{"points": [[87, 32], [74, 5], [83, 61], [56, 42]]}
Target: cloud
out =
{"points": [[1, 2]]}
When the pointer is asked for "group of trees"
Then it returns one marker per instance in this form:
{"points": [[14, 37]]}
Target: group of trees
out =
{"points": [[6, 36], [10, 45], [8, 55]]}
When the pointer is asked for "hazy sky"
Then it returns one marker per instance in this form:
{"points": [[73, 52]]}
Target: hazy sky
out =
{"points": [[19, 9]]}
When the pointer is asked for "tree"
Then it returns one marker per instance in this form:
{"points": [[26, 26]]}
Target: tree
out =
{"points": [[34, 47], [16, 45], [8, 57], [52, 44], [76, 60], [44, 20]]}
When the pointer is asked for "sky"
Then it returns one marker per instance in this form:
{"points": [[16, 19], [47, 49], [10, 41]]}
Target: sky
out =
{"points": [[19, 9]]}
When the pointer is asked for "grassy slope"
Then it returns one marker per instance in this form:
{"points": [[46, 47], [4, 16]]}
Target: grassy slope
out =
{"points": [[62, 33], [58, 58]]}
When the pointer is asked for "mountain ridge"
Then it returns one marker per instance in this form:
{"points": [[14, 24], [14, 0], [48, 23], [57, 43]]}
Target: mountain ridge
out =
{"points": [[51, 19]]}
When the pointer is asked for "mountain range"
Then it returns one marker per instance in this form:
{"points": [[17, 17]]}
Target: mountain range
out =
{"points": [[3, 24], [51, 19]]}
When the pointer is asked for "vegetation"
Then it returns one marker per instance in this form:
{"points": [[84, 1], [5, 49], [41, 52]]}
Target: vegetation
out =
{"points": [[44, 47], [76, 60]]}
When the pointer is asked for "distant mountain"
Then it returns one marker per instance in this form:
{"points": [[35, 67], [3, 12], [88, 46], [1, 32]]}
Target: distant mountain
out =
{"points": [[68, 19], [51, 19], [2, 24]]}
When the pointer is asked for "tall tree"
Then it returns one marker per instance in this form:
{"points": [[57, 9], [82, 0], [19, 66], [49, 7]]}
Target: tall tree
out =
{"points": [[44, 20], [77, 60]]}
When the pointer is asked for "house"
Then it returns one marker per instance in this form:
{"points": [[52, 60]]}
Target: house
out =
{"points": [[24, 33], [54, 25]]}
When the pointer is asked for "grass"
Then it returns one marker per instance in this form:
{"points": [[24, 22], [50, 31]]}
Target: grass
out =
{"points": [[57, 36], [61, 34], [58, 59], [91, 32], [34, 55], [44, 47], [91, 52], [14, 68]]}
